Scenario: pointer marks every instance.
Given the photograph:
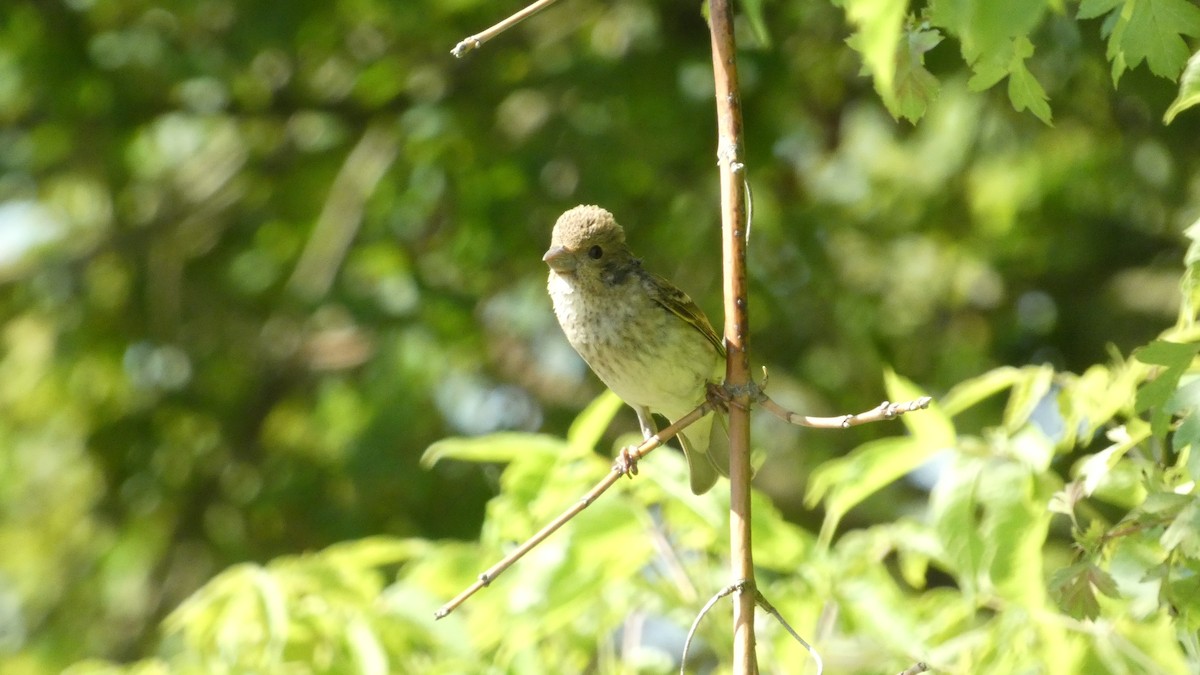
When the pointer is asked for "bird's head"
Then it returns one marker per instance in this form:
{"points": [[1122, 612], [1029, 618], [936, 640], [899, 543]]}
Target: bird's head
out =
{"points": [[586, 238]]}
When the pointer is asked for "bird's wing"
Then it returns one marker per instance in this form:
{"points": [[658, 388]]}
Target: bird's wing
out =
{"points": [[682, 306]]}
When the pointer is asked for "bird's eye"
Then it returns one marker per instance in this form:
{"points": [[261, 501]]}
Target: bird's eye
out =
{"points": [[595, 252]]}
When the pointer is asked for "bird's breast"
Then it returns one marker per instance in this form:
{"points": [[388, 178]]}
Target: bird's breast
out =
{"points": [[646, 354]]}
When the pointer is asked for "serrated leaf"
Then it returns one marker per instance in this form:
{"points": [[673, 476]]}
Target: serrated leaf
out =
{"points": [[983, 28], [1155, 33], [915, 87], [878, 36], [1189, 90], [500, 447], [1151, 31], [1026, 92], [987, 71], [1075, 589]]}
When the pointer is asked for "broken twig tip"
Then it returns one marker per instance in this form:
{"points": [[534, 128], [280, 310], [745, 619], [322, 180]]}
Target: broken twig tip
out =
{"points": [[461, 49]]}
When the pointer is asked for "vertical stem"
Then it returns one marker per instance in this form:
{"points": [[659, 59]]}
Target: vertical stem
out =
{"points": [[737, 370]]}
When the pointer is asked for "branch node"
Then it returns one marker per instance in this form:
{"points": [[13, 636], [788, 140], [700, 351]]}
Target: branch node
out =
{"points": [[886, 410]]}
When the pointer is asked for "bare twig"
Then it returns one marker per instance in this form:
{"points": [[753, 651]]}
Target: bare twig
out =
{"points": [[687, 644], [770, 609], [476, 41], [883, 411], [619, 469], [918, 667]]}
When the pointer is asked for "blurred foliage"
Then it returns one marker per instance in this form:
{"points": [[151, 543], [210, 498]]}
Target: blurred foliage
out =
{"points": [[257, 258]]}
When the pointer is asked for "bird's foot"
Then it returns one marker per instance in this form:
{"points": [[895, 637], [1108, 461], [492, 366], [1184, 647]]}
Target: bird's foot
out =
{"points": [[721, 395], [626, 462]]}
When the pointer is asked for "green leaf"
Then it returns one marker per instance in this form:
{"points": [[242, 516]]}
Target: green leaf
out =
{"points": [[590, 425], [1090, 9], [1008, 60], [878, 39], [501, 447], [1175, 357], [1155, 33], [1164, 353], [758, 22], [1155, 394], [273, 606], [1189, 90], [1075, 589], [1024, 90], [930, 427], [1027, 392], [1151, 31], [1184, 531], [967, 394], [915, 87], [846, 481], [370, 658], [1093, 469], [1014, 526], [985, 27]]}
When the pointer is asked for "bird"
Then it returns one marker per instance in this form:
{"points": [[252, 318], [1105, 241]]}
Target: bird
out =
{"points": [[643, 337]]}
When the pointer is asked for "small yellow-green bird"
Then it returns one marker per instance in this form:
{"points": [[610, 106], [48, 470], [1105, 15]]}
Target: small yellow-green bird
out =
{"points": [[642, 336]]}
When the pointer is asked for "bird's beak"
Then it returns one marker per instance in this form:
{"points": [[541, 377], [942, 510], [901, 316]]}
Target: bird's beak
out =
{"points": [[560, 260]]}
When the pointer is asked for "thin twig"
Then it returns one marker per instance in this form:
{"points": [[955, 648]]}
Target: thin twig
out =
{"points": [[918, 667], [883, 411], [770, 609], [613, 476], [476, 41], [687, 643]]}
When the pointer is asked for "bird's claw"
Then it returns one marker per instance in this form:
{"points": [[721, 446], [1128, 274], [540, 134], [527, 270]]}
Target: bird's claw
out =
{"points": [[721, 396], [626, 462], [718, 396]]}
